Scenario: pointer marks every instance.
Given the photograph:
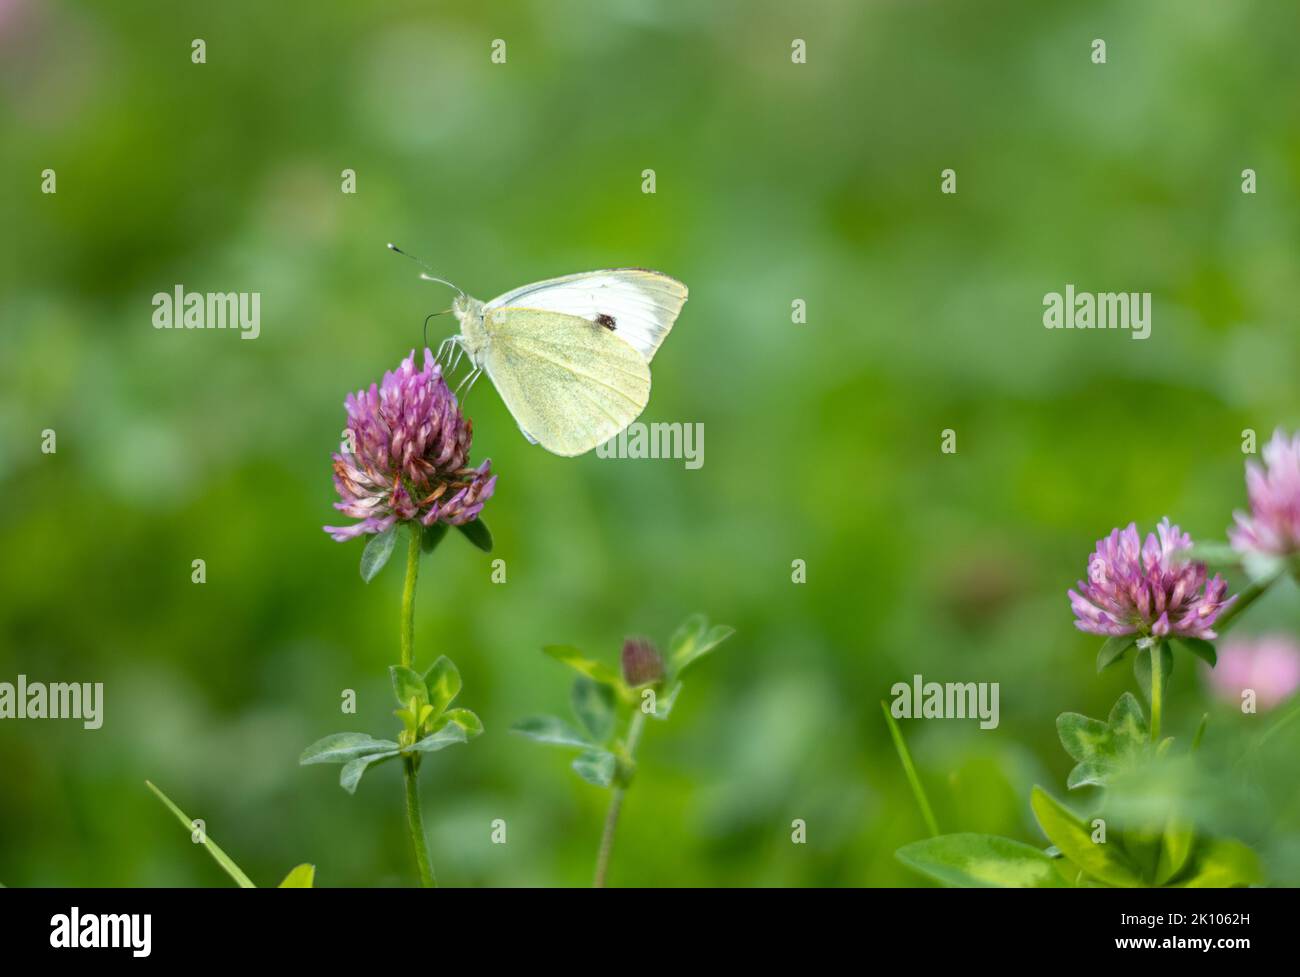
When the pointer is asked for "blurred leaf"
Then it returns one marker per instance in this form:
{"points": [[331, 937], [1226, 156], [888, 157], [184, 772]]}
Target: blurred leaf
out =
{"points": [[300, 877], [585, 666], [351, 773], [1142, 667], [596, 767], [593, 704], [664, 703], [448, 735], [1175, 847], [1142, 846], [548, 729], [1068, 832], [693, 640], [1113, 650], [343, 747], [379, 548], [1200, 732], [476, 531], [432, 535], [442, 682], [1201, 649], [219, 856], [1221, 864], [408, 686], [466, 720], [981, 861]]}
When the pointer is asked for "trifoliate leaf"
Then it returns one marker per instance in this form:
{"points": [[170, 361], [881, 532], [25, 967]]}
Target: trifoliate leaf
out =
{"points": [[693, 640], [1103, 749], [408, 686], [597, 671], [664, 703], [593, 705], [342, 747], [448, 735], [596, 767], [548, 729], [351, 773], [442, 684], [465, 719]]}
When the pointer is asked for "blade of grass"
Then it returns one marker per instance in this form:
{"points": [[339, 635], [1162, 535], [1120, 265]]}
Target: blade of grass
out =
{"points": [[906, 758], [1200, 733], [220, 857]]}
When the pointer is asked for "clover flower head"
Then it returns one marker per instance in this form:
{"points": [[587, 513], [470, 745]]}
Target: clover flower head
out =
{"points": [[1273, 524], [1268, 665], [405, 455], [1148, 589]]}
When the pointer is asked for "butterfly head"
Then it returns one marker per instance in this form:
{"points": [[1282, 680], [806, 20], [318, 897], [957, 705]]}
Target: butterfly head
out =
{"points": [[469, 312], [466, 307]]}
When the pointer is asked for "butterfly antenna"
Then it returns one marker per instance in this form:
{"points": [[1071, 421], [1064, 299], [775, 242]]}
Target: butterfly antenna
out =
{"points": [[428, 272]]}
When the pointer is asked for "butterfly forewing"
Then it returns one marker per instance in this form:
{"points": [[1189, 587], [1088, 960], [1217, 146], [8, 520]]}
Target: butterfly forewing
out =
{"points": [[636, 305], [570, 383]]}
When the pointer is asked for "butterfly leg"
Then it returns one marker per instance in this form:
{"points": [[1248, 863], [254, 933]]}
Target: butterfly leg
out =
{"points": [[444, 349], [467, 384]]}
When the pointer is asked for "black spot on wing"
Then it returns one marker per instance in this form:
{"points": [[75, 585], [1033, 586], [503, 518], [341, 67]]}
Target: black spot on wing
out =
{"points": [[605, 320]]}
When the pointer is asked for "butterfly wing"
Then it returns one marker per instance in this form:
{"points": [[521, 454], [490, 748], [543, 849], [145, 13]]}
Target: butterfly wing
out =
{"points": [[570, 383], [637, 305]]}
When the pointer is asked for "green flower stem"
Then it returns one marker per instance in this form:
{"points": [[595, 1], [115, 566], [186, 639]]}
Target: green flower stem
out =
{"points": [[909, 768], [408, 595], [1157, 688], [414, 820], [416, 825], [616, 801]]}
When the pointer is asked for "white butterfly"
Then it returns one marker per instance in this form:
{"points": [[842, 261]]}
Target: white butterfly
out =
{"points": [[571, 356]]}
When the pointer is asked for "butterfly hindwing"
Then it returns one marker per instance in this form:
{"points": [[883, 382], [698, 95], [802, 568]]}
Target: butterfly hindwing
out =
{"points": [[570, 383]]}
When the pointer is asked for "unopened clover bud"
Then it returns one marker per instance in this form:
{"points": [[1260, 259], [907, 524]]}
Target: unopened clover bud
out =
{"points": [[641, 663]]}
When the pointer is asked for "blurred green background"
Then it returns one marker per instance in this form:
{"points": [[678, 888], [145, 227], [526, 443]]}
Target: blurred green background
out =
{"points": [[775, 182]]}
